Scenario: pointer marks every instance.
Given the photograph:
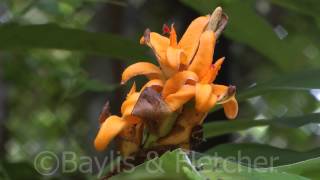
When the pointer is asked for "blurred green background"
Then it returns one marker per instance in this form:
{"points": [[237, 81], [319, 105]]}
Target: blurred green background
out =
{"points": [[61, 60]]}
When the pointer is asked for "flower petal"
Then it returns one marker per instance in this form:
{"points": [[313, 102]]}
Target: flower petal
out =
{"points": [[183, 95], [203, 58], [158, 43], [202, 96], [178, 80], [231, 108], [108, 130], [190, 39], [155, 84], [212, 73], [219, 90], [173, 37], [223, 93], [128, 105], [174, 57], [141, 68]]}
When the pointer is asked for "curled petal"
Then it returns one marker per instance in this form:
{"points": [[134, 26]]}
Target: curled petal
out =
{"points": [[202, 96], [141, 68], [190, 39], [128, 105], [157, 43], [212, 73], [220, 91], [183, 95], [203, 58], [223, 93], [231, 108], [110, 128], [175, 57], [178, 80], [155, 84]]}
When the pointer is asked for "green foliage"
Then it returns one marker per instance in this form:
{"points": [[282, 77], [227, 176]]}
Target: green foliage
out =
{"points": [[223, 127], [252, 151], [54, 37], [196, 166], [287, 82]]}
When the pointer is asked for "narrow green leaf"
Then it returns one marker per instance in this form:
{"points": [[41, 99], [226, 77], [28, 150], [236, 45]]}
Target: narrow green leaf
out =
{"points": [[308, 168], [52, 36], [246, 153], [303, 80], [223, 127]]}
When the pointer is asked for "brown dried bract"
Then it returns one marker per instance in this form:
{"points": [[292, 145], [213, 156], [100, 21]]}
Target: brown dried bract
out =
{"points": [[105, 112]]}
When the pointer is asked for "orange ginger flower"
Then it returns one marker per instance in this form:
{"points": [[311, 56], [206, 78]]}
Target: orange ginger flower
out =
{"points": [[185, 74]]}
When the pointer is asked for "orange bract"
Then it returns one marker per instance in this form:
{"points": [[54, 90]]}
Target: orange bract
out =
{"points": [[108, 130], [190, 39], [185, 75], [203, 58], [141, 68]]}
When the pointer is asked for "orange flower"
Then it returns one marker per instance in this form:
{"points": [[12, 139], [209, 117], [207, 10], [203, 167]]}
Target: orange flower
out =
{"points": [[185, 74]]}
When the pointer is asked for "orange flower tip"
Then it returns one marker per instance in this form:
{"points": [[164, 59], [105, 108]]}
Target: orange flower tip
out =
{"points": [[221, 59], [97, 146], [165, 29], [231, 90]]}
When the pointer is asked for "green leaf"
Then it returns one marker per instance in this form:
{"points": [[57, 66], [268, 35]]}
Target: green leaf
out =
{"points": [[223, 127], [248, 152], [182, 165], [245, 26], [303, 80], [21, 37], [171, 165], [308, 168]]}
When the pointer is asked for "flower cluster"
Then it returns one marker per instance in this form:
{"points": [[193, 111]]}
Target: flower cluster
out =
{"points": [[179, 94]]}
